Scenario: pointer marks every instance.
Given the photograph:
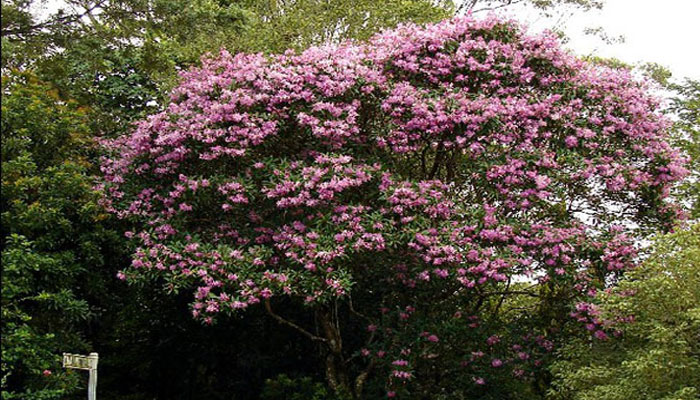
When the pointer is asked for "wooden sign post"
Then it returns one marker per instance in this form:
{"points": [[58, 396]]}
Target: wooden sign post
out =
{"points": [[77, 361]]}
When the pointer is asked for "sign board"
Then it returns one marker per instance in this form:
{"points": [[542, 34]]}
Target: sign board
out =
{"points": [[77, 361], [89, 363]]}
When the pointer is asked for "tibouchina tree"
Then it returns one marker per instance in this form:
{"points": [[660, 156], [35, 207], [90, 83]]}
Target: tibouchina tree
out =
{"points": [[428, 185]]}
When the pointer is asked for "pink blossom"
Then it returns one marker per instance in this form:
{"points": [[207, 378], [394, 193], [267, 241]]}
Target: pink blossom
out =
{"points": [[427, 159]]}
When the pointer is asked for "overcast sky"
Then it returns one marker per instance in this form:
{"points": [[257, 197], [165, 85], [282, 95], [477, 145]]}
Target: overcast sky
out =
{"points": [[662, 31]]}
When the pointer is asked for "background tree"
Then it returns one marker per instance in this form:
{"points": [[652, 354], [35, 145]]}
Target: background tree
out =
{"points": [[653, 315], [122, 56], [277, 26], [113, 55], [55, 246], [685, 107]]}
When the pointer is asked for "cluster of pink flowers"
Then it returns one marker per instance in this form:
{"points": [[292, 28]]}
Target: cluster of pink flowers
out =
{"points": [[314, 185], [589, 314], [461, 154]]}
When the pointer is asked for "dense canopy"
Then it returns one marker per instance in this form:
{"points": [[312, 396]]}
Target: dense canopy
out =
{"points": [[420, 174]]}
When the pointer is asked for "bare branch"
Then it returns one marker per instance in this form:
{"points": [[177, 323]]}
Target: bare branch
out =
{"points": [[291, 324], [352, 310], [509, 3], [513, 292], [465, 7]]}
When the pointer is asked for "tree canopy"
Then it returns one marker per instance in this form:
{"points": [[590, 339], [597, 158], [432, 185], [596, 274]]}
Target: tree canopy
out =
{"points": [[438, 162], [55, 243]]}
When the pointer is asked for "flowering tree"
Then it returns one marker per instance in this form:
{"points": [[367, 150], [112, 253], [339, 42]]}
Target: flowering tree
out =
{"points": [[418, 186]]}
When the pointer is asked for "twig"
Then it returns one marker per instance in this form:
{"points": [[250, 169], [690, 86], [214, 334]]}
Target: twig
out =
{"points": [[352, 310], [67, 19], [510, 3]]}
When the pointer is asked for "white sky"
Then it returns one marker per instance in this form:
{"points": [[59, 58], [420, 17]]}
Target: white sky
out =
{"points": [[662, 31]]}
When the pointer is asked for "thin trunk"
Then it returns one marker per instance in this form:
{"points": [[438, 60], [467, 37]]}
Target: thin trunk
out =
{"points": [[336, 372]]}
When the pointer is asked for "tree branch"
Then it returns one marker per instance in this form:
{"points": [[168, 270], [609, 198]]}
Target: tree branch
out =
{"points": [[509, 3], [438, 159], [291, 324], [66, 19], [352, 310], [514, 292], [360, 380], [465, 7]]}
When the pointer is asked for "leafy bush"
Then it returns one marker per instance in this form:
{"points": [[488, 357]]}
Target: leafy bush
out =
{"points": [[654, 316]]}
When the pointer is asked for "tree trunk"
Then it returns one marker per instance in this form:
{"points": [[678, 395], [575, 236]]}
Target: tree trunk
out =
{"points": [[336, 371], [332, 350]]}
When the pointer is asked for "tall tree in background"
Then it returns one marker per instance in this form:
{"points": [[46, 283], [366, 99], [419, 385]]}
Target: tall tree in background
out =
{"points": [[56, 246], [279, 25], [653, 317], [87, 42], [685, 108], [113, 55]]}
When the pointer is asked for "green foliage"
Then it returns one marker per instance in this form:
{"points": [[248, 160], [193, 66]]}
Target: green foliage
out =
{"points": [[47, 193], [115, 56], [122, 57], [280, 25], [283, 387], [27, 349], [656, 72], [37, 123], [686, 133], [172, 36], [609, 62], [160, 27], [657, 356], [23, 38], [53, 238]]}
